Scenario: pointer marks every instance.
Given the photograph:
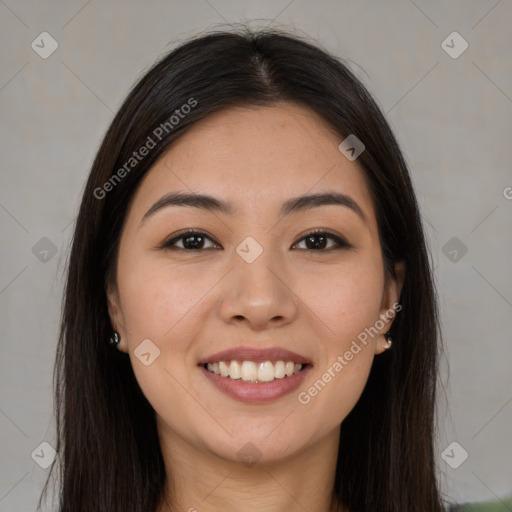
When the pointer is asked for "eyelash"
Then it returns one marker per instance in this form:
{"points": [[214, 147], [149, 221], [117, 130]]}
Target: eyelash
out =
{"points": [[342, 244]]}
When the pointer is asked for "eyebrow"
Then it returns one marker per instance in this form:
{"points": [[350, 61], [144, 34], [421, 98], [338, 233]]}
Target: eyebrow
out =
{"points": [[293, 205]]}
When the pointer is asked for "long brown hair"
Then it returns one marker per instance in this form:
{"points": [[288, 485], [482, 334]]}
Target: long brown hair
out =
{"points": [[108, 450]]}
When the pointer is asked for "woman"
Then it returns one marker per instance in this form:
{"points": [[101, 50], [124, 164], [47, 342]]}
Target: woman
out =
{"points": [[250, 320]]}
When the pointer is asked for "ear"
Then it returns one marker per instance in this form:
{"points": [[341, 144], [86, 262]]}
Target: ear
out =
{"points": [[116, 315], [390, 297]]}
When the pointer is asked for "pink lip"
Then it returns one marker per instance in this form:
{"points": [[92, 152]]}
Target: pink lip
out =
{"points": [[262, 392], [257, 355]]}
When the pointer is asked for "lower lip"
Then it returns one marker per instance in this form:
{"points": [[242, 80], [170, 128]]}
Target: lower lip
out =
{"points": [[256, 393]]}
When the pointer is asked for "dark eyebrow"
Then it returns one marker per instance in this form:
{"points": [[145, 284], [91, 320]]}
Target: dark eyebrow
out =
{"points": [[314, 200], [213, 204]]}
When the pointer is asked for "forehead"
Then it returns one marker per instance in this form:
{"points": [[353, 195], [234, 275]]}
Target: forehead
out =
{"points": [[256, 157]]}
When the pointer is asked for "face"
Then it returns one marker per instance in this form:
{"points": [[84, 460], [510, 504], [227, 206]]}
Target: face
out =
{"points": [[253, 280]]}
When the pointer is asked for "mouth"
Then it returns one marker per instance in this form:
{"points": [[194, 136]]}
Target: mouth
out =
{"points": [[255, 375]]}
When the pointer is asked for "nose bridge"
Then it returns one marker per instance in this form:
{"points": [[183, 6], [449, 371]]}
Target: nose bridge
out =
{"points": [[258, 265], [258, 290]]}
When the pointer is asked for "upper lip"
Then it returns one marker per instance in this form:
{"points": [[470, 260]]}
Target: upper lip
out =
{"points": [[258, 355]]}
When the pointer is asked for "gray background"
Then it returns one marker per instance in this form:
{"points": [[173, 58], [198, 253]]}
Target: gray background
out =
{"points": [[451, 116]]}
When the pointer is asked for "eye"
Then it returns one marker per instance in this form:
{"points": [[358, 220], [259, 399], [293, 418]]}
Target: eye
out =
{"points": [[192, 240], [317, 241]]}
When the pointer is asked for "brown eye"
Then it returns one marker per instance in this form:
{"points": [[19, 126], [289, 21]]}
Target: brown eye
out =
{"points": [[317, 240], [191, 240]]}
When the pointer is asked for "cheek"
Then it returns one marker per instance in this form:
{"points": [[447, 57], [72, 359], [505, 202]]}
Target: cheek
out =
{"points": [[344, 299], [158, 304], [347, 304], [156, 299]]}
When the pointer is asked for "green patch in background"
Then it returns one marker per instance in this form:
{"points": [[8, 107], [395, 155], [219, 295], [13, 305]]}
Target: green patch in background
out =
{"points": [[504, 505]]}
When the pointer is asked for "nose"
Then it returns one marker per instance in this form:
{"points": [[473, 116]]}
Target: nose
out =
{"points": [[259, 293]]}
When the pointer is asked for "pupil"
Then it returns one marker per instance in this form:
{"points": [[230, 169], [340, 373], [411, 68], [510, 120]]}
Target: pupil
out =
{"points": [[194, 245], [317, 245]]}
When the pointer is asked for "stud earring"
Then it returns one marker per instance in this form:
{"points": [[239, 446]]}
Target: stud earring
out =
{"points": [[115, 339], [389, 340]]}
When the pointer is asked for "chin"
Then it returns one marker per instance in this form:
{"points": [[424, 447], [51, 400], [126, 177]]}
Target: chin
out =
{"points": [[253, 447]]}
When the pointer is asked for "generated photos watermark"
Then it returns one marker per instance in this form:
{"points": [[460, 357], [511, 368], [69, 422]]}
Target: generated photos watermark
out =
{"points": [[304, 397], [151, 142]]}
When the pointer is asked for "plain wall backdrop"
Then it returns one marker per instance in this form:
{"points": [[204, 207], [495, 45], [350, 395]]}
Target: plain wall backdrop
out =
{"points": [[450, 107]]}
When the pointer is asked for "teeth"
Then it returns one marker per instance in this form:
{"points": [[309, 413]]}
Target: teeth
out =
{"points": [[279, 369], [213, 367], [224, 369], [234, 370], [249, 371], [266, 372]]}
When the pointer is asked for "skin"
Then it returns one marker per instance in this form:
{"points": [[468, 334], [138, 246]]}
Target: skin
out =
{"points": [[193, 303]]}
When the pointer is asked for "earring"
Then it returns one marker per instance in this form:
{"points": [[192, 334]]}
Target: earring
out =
{"points": [[389, 340], [115, 339]]}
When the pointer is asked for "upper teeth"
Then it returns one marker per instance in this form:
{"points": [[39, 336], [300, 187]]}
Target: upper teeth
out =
{"points": [[255, 372]]}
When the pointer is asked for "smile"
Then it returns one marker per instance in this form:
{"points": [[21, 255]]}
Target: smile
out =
{"points": [[255, 375]]}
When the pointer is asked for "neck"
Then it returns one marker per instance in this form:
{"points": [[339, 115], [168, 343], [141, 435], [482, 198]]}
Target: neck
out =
{"points": [[199, 481]]}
